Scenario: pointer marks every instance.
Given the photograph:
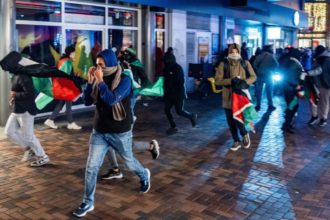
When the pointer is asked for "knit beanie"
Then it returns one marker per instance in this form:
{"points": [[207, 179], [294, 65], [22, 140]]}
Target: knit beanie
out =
{"points": [[131, 51]]}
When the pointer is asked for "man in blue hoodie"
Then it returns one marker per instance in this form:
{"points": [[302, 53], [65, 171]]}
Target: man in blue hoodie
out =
{"points": [[110, 91]]}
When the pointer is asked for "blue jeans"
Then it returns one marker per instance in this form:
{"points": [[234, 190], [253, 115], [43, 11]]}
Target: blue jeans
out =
{"points": [[98, 147]]}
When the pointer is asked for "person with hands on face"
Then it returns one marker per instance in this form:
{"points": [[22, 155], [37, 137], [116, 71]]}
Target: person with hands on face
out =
{"points": [[110, 91]]}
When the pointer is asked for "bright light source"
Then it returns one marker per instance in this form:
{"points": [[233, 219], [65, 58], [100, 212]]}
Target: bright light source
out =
{"points": [[277, 77]]}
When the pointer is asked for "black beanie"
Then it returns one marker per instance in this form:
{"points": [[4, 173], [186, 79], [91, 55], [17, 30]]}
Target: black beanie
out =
{"points": [[69, 50], [319, 50]]}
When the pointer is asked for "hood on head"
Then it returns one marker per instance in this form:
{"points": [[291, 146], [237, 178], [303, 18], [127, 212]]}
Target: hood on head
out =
{"points": [[10, 62], [169, 59], [109, 57], [234, 46]]}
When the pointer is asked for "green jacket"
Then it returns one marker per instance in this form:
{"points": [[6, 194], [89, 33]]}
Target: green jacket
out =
{"points": [[236, 70]]}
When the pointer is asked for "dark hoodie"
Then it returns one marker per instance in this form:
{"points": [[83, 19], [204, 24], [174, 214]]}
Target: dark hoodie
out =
{"points": [[174, 88], [103, 118]]}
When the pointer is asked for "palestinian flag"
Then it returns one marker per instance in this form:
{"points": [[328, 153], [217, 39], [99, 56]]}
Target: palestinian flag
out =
{"points": [[50, 82], [243, 110], [152, 89], [311, 92]]}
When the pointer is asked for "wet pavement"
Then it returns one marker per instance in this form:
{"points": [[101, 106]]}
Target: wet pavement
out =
{"points": [[196, 176]]}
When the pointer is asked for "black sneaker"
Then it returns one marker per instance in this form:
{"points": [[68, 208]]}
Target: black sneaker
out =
{"points": [[271, 107], [112, 174], [82, 210], [246, 141], [287, 129], [237, 145], [171, 130], [313, 120], [145, 185], [194, 120], [323, 122], [154, 149]]}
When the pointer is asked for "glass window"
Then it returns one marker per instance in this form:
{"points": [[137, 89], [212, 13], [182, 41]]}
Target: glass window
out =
{"points": [[87, 43], [160, 21], [41, 43], [122, 17], [84, 14], [121, 39], [94, 1], [38, 10]]}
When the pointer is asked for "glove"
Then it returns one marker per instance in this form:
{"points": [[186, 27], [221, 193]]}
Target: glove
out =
{"points": [[303, 76], [239, 84]]}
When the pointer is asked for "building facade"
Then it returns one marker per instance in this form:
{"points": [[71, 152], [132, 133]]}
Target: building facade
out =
{"points": [[197, 31], [318, 30]]}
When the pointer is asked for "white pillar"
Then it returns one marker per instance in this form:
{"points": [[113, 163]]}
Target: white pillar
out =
{"points": [[7, 44]]}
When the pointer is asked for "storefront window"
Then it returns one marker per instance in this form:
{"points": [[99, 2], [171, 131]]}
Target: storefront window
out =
{"points": [[160, 21], [87, 43], [40, 43], [38, 10], [84, 14], [122, 17], [93, 1], [121, 39]]}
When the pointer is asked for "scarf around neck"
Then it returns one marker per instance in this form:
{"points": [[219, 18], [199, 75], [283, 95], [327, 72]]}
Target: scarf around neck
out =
{"points": [[118, 110]]}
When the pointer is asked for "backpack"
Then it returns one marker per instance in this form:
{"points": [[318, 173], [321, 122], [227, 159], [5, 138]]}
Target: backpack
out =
{"points": [[226, 68]]}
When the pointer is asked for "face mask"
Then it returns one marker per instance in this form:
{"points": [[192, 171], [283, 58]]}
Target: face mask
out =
{"points": [[234, 56]]}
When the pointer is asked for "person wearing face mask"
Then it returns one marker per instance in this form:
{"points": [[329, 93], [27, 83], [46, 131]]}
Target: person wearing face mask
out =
{"points": [[110, 90], [234, 69], [66, 65]]}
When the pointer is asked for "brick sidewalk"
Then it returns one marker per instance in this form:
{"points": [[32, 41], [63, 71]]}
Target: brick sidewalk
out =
{"points": [[196, 176]]}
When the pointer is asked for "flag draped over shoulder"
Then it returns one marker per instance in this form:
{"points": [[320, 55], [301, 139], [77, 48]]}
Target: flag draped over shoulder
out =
{"points": [[243, 110], [50, 82]]}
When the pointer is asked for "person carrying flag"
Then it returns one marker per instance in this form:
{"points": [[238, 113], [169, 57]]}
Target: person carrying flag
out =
{"points": [[234, 70], [65, 64], [293, 86], [19, 127]]}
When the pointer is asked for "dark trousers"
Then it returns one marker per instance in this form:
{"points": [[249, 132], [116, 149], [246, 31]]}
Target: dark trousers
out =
{"points": [[268, 81], [289, 95], [179, 108], [234, 125]]}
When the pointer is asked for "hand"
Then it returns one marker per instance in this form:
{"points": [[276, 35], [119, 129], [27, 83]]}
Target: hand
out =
{"points": [[98, 74], [303, 76], [90, 76], [12, 94]]}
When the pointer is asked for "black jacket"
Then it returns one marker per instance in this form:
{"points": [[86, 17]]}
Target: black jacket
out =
{"points": [[24, 100], [173, 79]]}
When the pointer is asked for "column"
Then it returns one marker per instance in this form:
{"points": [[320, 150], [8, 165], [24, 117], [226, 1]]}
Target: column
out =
{"points": [[7, 44]]}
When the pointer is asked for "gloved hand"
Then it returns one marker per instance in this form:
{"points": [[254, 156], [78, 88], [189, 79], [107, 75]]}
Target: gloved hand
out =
{"points": [[239, 84]]}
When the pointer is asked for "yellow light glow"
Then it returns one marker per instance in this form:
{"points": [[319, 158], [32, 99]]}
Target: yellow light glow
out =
{"points": [[317, 15]]}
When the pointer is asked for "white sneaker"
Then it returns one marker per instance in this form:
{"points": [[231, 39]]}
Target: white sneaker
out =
{"points": [[50, 123], [73, 126], [40, 161], [28, 155]]}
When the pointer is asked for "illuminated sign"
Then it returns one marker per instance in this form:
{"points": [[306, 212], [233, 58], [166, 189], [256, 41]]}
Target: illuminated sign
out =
{"points": [[274, 33], [296, 18], [317, 15], [314, 35]]}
